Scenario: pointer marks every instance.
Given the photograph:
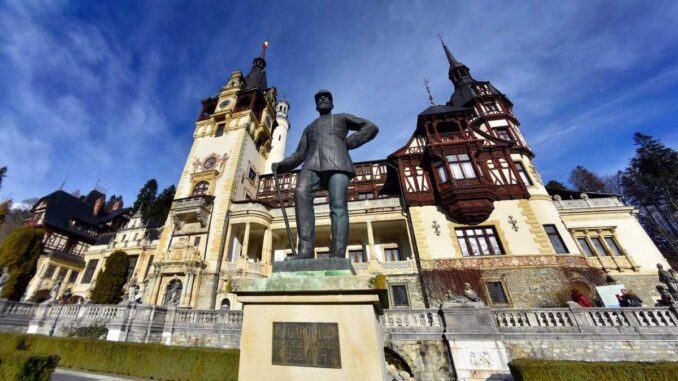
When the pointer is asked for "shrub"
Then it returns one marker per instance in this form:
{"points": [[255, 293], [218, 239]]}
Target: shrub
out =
{"points": [[20, 252], [108, 289], [22, 366], [156, 361], [92, 332], [552, 370]]}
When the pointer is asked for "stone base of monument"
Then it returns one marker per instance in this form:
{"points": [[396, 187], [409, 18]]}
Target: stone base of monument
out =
{"points": [[312, 321]]}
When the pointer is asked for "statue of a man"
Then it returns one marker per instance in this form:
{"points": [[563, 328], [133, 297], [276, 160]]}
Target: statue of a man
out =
{"points": [[3, 279], [324, 149], [669, 279]]}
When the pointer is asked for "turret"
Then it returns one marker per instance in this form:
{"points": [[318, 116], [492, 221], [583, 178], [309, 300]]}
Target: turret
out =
{"points": [[279, 134]]}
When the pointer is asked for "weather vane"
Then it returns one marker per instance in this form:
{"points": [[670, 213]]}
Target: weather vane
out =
{"points": [[428, 90]]}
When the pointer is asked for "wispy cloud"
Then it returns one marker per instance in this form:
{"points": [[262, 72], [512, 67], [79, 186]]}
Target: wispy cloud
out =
{"points": [[110, 91]]}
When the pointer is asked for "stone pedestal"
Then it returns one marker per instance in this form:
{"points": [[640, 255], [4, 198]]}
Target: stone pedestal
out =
{"points": [[476, 345], [311, 323]]}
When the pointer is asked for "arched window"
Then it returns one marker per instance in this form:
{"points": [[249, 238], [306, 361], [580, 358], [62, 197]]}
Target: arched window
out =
{"points": [[225, 304], [201, 188]]}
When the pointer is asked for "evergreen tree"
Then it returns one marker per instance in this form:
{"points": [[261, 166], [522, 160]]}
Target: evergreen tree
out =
{"points": [[586, 181], [13, 221], [3, 173], [110, 202], [19, 253], [650, 182], [553, 184], [5, 207], [146, 198], [109, 283], [161, 206]]}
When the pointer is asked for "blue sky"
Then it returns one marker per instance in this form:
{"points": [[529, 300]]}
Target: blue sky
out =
{"points": [[110, 90]]}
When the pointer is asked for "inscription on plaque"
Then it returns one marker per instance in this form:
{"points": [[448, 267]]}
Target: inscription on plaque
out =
{"points": [[306, 344]]}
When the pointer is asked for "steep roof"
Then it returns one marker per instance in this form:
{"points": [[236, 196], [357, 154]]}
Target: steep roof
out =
{"points": [[63, 208]]}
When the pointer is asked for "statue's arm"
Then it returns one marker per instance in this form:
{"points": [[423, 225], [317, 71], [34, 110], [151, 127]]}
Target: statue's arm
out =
{"points": [[295, 159], [364, 131]]}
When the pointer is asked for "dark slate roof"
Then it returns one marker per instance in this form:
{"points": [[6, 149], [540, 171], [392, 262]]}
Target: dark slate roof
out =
{"points": [[105, 238], [63, 207], [440, 109], [464, 91]]}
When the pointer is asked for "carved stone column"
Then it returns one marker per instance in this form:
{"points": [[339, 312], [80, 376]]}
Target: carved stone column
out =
{"points": [[370, 240], [267, 246], [246, 241]]}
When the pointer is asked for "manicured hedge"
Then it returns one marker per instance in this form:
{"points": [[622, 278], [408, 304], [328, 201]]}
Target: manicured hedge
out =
{"points": [[159, 362], [22, 366], [538, 370]]}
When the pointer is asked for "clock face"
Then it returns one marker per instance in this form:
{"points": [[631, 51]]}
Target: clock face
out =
{"points": [[209, 163], [224, 103]]}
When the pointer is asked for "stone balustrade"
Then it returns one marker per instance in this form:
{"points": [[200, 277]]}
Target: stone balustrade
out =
{"points": [[603, 202], [409, 318], [586, 320]]}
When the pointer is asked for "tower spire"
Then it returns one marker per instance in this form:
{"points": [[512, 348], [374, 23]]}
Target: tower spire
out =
{"points": [[450, 58], [257, 76], [264, 46]]}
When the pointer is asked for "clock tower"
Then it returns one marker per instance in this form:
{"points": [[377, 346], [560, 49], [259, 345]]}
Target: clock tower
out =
{"points": [[232, 144]]}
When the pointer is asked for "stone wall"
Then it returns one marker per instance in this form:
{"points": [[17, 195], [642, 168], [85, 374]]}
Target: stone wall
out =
{"points": [[428, 359], [599, 348]]}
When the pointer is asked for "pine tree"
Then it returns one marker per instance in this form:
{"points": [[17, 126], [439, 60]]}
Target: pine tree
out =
{"points": [[650, 182], [553, 184], [146, 198], [161, 206], [586, 181], [110, 202], [19, 253], [109, 283], [3, 173]]}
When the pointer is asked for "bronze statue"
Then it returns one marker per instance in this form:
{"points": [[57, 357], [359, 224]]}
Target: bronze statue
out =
{"points": [[324, 149]]}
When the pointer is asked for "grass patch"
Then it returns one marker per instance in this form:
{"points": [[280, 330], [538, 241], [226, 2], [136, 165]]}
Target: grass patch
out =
{"points": [[553, 370], [156, 361]]}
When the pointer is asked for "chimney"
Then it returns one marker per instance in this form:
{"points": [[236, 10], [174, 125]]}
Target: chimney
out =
{"points": [[117, 204], [98, 204]]}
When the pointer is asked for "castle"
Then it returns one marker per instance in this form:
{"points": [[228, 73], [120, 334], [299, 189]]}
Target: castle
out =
{"points": [[460, 202]]}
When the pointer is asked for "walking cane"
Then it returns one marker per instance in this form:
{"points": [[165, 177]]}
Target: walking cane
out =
{"points": [[284, 213]]}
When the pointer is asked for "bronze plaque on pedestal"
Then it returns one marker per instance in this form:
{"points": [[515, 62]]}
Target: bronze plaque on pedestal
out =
{"points": [[306, 344]]}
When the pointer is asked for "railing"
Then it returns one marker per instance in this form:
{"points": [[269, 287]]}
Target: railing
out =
{"points": [[202, 201], [407, 318], [584, 319], [605, 202], [445, 137], [209, 317], [13, 309]]}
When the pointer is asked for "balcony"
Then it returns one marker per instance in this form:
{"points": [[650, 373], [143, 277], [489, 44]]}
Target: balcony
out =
{"points": [[585, 203], [192, 209]]}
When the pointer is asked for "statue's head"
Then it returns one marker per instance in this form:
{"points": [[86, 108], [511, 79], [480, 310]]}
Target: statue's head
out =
{"points": [[323, 102], [467, 286], [659, 266]]}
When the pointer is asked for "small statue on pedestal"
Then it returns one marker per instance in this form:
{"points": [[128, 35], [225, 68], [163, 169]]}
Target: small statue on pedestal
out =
{"points": [[669, 279], [3, 279], [470, 297], [666, 299], [53, 293]]}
